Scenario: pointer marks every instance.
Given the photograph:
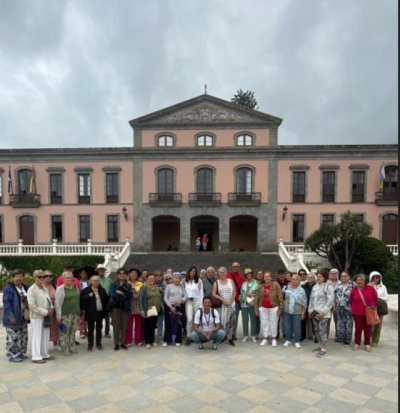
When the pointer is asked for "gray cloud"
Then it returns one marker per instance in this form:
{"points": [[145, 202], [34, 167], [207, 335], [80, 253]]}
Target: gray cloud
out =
{"points": [[74, 73]]}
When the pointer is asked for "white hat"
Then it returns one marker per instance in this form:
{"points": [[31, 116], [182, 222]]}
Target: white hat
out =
{"points": [[100, 266]]}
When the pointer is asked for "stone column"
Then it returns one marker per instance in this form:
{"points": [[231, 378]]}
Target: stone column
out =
{"points": [[224, 231]]}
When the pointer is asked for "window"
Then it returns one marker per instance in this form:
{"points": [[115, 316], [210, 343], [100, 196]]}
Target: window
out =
{"points": [[112, 228], [358, 186], [84, 228], [244, 183], [205, 181], [165, 140], [244, 140], [299, 186], [24, 181], [390, 182], [205, 140], [56, 188], [328, 186], [358, 218], [298, 228], [57, 227], [84, 188], [112, 179], [328, 219], [165, 181]]}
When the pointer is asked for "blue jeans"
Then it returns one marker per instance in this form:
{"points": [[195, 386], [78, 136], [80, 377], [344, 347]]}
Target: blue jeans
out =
{"points": [[216, 336], [292, 324]]}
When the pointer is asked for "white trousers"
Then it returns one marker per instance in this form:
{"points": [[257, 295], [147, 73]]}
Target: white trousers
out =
{"points": [[269, 321], [40, 339], [191, 306]]}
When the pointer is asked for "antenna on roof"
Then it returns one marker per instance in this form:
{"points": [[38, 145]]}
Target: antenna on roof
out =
{"points": [[205, 89]]}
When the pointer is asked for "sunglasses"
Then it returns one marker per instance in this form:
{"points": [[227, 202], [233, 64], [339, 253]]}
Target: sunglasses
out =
{"points": [[41, 277]]}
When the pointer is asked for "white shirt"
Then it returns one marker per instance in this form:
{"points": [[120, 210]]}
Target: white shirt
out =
{"points": [[194, 290], [207, 321]]}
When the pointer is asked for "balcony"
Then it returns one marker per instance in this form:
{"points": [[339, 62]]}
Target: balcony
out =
{"points": [[25, 200], [244, 199], [386, 198], [209, 199], [172, 199]]}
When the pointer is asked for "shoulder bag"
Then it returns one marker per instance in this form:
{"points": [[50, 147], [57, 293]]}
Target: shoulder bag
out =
{"points": [[382, 307], [215, 302], [370, 312]]}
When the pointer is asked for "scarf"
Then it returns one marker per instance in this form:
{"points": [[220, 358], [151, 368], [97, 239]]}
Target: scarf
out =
{"points": [[296, 296]]}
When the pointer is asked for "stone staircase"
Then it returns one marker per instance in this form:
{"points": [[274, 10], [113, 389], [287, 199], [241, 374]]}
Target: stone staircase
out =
{"points": [[180, 261]]}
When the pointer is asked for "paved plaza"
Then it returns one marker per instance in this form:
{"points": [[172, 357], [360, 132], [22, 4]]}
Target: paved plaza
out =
{"points": [[247, 378]]}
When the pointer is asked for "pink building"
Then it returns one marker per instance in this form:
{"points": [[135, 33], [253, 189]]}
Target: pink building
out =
{"points": [[203, 166]]}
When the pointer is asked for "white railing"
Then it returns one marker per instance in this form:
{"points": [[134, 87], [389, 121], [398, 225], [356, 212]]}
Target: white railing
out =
{"points": [[394, 249], [292, 256]]}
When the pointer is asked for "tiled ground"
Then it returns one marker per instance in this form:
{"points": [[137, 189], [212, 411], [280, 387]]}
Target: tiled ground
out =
{"points": [[247, 378]]}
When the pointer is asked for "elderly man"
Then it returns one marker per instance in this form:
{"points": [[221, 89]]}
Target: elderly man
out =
{"points": [[208, 281], [207, 326], [105, 282], [238, 279]]}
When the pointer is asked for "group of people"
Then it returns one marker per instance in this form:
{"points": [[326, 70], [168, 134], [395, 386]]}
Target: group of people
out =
{"points": [[203, 307]]}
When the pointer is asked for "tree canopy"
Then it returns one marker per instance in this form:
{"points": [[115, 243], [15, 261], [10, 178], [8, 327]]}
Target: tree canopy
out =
{"points": [[245, 98]]}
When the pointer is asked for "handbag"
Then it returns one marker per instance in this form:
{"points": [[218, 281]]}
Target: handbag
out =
{"points": [[26, 314], [47, 321], [152, 311], [215, 302], [382, 307], [370, 312], [250, 301]]}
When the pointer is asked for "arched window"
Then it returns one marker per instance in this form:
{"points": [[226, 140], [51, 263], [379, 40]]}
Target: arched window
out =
{"points": [[204, 181], [244, 181], [244, 140], [24, 181], [165, 140], [165, 181], [204, 140]]}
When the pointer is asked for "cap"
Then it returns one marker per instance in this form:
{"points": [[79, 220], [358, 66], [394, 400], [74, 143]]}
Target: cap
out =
{"points": [[248, 271], [100, 266]]}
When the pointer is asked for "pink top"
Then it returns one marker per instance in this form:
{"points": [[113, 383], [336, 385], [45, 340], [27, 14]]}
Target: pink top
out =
{"points": [[370, 297], [75, 281]]}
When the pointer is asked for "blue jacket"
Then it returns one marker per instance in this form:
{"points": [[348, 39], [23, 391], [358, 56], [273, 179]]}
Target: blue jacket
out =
{"points": [[12, 306]]}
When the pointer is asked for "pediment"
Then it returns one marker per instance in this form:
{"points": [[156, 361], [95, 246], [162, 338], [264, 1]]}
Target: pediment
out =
{"points": [[205, 109]]}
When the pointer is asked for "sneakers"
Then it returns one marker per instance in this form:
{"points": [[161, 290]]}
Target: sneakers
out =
{"points": [[201, 346], [264, 342], [321, 353], [38, 361], [274, 342], [116, 347], [15, 359], [214, 346], [178, 344], [188, 342], [253, 339], [124, 347], [368, 348], [297, 345], [23, 357], [231, 343], [148, 346], [49, 358], [155, 345], [164, 344], [100, 348], [355, 347], [286, 343], [316, 349], [245, 339]]}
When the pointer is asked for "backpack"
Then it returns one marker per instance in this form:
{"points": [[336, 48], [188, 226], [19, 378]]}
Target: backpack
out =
{"points": [[201, 315]]}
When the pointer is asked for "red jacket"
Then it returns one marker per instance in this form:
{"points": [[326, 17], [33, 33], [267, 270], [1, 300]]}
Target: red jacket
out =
{"points": [[370, 297], [238, 280], [75, 281]]}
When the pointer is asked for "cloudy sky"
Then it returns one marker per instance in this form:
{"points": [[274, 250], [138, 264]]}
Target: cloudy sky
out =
{"points": [[74, 72]]}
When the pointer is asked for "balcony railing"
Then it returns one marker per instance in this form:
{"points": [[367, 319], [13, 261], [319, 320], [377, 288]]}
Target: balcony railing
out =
{"points": [[239, 199], [25, 200], [386, 198], [170, 199], [211, 198]]}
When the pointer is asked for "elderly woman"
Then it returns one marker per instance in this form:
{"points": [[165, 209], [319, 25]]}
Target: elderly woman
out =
{"points": [[174, 299], [224, 290], [67, 312], [307, 330], [247, 296], [269, 305], [40, 310], [375, 279], [15, 305], [321, 302], [121, 294], [193, 287], [54, 328], [361, 296], [94, 300], [344, 323], [150, 306], [294, 310], [135, 320]]}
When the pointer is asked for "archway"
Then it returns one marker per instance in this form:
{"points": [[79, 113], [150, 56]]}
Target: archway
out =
{"points": [[166, 233], [389, 229], [243, 233], [205, 224], [27, 229]]}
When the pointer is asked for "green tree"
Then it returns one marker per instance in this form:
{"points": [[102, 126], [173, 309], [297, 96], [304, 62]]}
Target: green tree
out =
{"points": [[325, 241], [245, 98]]}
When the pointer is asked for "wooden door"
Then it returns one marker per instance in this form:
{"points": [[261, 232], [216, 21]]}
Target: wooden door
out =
{"points": [[27, 230], [389, 229]]}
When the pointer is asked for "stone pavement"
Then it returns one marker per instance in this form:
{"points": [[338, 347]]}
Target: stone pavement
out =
{"points": [[247, 378]]}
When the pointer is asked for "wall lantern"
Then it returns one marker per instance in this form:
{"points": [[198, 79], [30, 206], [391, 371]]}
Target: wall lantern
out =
{"points": [[284, 213], [125, 213]]}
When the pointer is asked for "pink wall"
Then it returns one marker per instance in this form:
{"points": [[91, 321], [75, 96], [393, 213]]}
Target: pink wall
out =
{"points": [[186, 138], [186, 177]]}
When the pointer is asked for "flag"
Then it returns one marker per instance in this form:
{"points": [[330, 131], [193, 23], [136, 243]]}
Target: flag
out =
{"points": [[9, 182], [32, 184], [382, 177]]}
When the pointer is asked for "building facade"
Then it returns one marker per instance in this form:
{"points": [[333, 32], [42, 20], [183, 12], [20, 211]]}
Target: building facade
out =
{"points": [[203, 166]]}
